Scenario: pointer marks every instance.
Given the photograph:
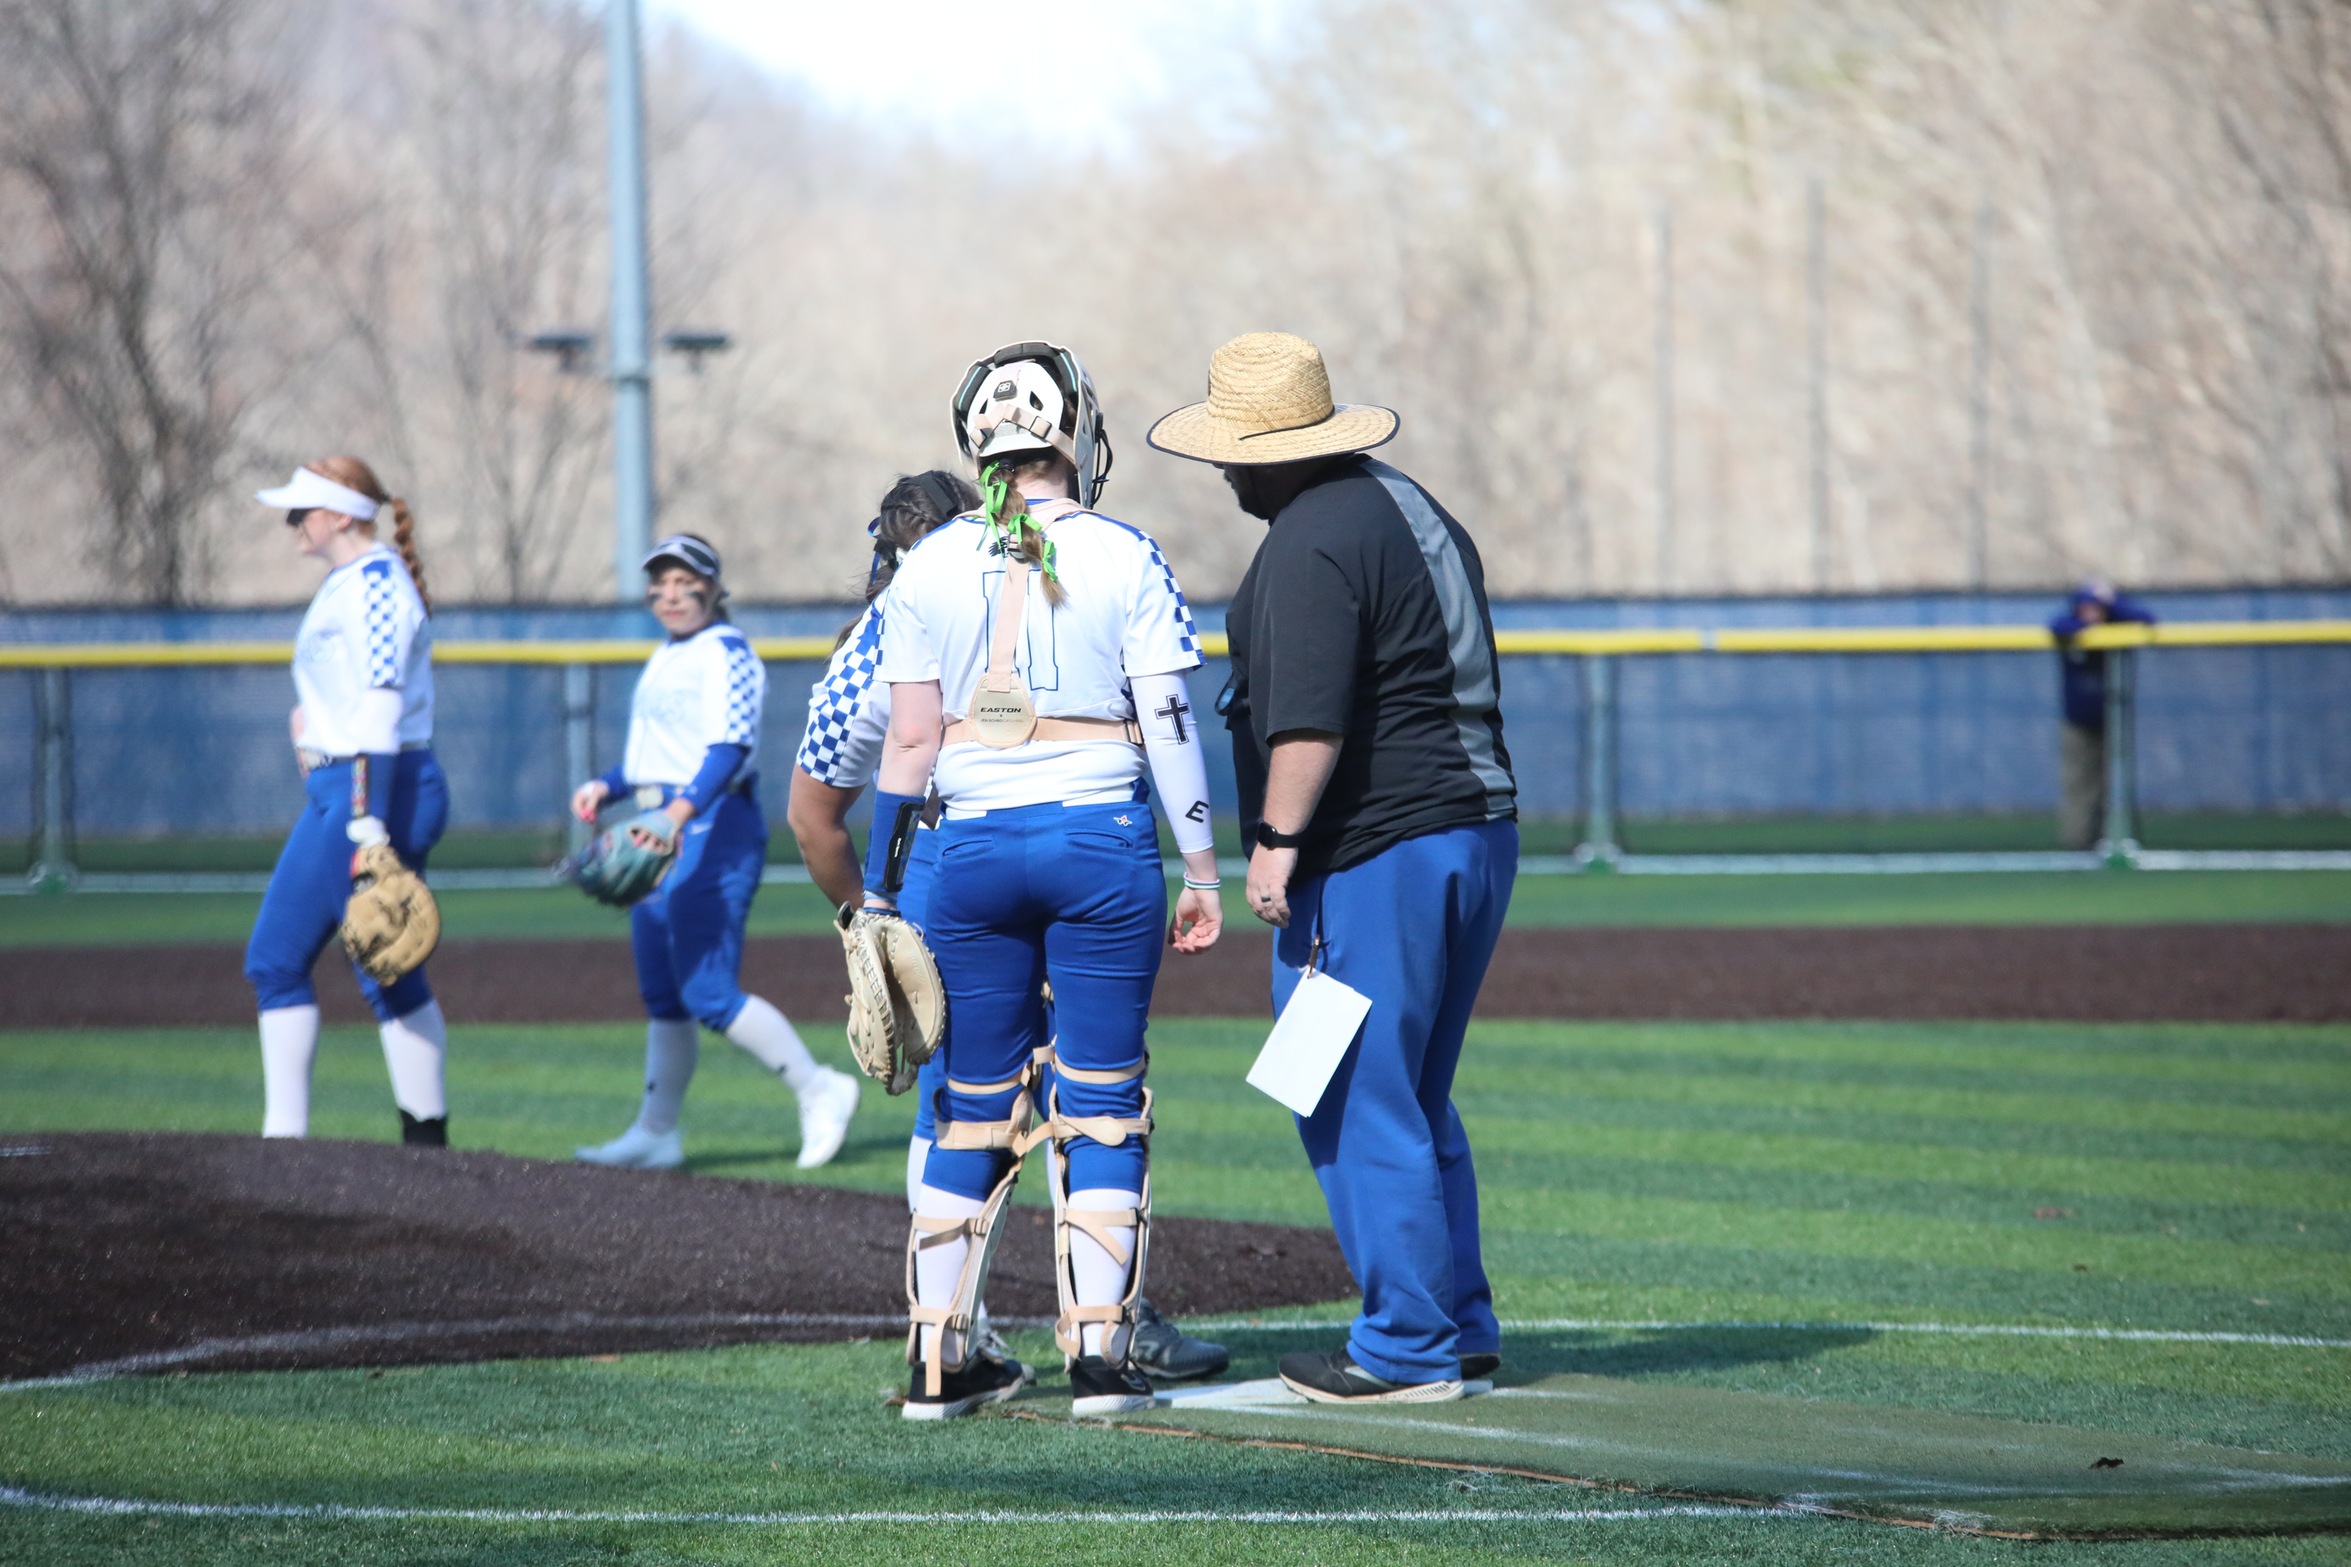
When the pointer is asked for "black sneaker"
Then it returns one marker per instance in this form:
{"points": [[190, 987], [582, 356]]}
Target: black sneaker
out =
{"points": [[1333, 1377], [432, 1133], [1166, 1352], [1480, 1368], [1096, 1387], [983, 1380]]}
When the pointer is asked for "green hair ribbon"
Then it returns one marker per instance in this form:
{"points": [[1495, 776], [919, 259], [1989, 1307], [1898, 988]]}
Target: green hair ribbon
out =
{"points": [[997, 491]]}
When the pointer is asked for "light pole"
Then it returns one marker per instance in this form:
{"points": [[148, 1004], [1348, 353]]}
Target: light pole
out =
{"points": [[631, 369], [630, 365]]}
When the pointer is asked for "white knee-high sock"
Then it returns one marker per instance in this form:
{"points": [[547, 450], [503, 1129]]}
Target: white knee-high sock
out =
{"points": [[937, 1268], [672, 1047], [289, 1039], [770, 1037], [415, 1047], [918, 1154], [1101, 1278]]}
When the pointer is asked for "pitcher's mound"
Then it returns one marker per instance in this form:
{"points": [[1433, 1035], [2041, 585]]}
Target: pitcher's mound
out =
{"points": [[152, 1251]]}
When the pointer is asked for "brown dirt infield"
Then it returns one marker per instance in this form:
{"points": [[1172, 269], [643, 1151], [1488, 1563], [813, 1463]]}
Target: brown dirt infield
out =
{"points": [[216, 1252], [2213, 973]]}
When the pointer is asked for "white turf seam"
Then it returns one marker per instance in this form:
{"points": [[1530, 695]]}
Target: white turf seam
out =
{"points": [[334, 1512], [1952, 1329]]}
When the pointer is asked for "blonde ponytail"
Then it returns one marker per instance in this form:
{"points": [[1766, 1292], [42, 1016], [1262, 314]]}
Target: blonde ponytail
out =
{"points": [[404, 539]]}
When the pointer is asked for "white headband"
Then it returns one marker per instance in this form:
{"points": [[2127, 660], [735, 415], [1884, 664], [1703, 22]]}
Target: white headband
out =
{"points": [[308, 488]]}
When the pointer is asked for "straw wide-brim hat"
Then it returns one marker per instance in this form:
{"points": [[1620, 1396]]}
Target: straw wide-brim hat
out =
{"points": [[1269, 401]]}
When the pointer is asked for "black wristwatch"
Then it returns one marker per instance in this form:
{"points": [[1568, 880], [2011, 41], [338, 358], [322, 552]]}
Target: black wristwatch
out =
{"points": [[1270, 839]]}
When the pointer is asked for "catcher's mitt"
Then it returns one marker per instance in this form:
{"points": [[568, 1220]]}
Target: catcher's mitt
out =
{"points": [[897, 1006], [615, 868], [391, 925]]}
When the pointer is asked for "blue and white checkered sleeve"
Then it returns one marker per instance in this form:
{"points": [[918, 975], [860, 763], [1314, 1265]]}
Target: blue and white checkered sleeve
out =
{"points": [[746, 694], [388, 628], [1162, 638], [842, 743]]}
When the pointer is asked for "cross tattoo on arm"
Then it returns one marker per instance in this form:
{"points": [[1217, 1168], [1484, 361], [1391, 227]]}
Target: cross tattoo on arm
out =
{"points": [[1174, 713]]}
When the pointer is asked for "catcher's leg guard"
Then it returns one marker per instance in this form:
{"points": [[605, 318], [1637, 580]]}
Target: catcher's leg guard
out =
{"points": [[941, 1311], [940, 1316], [1122, 1232]]}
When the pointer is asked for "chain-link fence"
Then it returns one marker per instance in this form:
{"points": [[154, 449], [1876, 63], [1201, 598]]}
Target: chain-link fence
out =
{"points": [[1637, 746]]}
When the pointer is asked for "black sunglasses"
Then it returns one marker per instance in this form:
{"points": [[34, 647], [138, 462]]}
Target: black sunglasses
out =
{"points": [[294, 517]]}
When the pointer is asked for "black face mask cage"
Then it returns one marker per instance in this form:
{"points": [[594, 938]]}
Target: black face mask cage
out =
{"points": [[1090, 436]]}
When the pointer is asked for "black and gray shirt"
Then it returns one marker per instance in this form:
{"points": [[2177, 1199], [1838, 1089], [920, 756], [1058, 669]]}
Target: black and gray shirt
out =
{"points": [[1364, 615]]}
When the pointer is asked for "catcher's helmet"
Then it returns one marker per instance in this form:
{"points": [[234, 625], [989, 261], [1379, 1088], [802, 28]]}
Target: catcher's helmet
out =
{"points": [[1034, 397]]}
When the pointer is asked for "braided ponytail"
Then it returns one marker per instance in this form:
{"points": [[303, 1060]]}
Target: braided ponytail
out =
{"points": [[353, 474], [1008, 517], [404, 539]]}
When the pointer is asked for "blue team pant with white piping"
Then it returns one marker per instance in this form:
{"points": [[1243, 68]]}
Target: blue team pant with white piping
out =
{"points": [[1413, 928], [312, 882], [1073, 893], [688, 934]]}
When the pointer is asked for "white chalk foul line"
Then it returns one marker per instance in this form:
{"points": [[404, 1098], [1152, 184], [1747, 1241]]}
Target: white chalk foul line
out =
{"points": [[336, 1512], [310, 1340], [1952, 1329]]}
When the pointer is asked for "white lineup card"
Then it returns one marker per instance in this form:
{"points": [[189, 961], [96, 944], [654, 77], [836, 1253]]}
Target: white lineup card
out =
{"points": [[1308, 1041]]}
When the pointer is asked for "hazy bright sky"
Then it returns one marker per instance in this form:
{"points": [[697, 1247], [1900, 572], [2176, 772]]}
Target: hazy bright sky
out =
{"points": [[930, 59]]}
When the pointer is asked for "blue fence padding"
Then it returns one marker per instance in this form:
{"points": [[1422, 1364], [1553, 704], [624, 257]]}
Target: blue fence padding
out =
{"points": [[194, 751]]}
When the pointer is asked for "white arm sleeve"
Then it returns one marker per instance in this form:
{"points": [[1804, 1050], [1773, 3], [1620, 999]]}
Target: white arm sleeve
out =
{"points": [[1179, 770], [375, 721]]}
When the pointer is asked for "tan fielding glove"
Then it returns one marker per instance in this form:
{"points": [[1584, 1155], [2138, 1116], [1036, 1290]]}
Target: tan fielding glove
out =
{"points": [[897, 1006], [391, 925]]}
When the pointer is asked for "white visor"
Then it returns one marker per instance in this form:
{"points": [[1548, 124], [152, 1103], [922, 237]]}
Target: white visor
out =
{"points": [[307, 489]]}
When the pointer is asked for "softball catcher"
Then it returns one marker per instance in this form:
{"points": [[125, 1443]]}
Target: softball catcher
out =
{"points": [[363, 737], [848, 716], [687, 864], [1036, 655]]}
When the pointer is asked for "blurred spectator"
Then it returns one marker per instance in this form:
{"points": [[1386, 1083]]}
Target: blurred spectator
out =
{"points": [[2081, 737]]}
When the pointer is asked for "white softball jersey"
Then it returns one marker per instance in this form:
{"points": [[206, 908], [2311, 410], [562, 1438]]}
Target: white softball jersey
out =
{"points": [[848, 710], [696, 692], [366, 632], [1123, 617]]}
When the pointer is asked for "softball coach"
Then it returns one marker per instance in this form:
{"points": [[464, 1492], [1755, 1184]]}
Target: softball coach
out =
{"points": [[1367, 739]]}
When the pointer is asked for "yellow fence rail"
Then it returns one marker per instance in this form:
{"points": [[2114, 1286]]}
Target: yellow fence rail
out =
{"points": [[1745, 640]]}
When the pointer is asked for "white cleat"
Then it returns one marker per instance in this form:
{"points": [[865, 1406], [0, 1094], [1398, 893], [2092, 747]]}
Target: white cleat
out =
{"points": [[638, 1149], [826, 1106]]}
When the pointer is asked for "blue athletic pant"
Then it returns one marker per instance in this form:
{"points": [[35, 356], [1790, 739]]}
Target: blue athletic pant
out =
{"points": [[914, 902], [688, 936], [304, 905], [1413, 928], [1073, 893]]}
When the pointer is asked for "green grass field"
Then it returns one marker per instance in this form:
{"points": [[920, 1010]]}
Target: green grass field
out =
{"points": [[2001, 898], [1679, 1174]]}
